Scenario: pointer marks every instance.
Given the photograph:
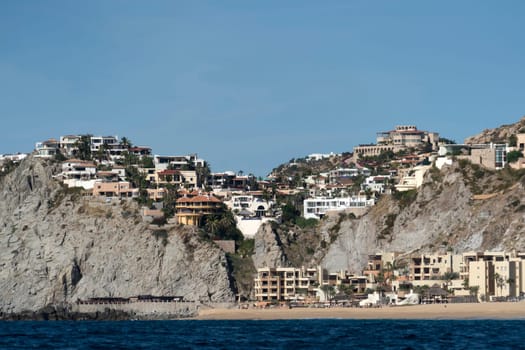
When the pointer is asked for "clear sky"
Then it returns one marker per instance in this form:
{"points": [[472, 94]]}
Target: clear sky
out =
{"points": [[251, 84]]}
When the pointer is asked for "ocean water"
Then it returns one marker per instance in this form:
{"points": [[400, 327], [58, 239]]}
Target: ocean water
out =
{"points": [[283, 334]]}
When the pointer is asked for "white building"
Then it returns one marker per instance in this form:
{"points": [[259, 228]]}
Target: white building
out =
{"points": [[413, 179], [68, 144], [98, 142], [320, 156], [248, 203], [78, 173], [177, 162], [317, 207], [47, 149], [12, 157], [376, 184]]}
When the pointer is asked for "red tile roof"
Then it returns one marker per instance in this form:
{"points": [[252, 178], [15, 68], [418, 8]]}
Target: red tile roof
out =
{"points": [[199, 199]]}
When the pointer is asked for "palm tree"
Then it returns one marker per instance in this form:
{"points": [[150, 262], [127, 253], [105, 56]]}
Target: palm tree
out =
{"points": [[83, 147], [203, 172], [212, 224], [390, 268], [473, 291], [328, 291], [347, 289], [500, 282], [102, 152], [126, 142], [465, 283]]}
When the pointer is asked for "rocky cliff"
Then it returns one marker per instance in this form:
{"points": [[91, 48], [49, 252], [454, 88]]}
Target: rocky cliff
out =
{"points": [[57, 246], [461, 208]]}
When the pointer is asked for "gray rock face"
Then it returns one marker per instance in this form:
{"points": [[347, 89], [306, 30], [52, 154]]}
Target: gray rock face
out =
{"points": [[445, 216], [57, 246], [267, 248]]}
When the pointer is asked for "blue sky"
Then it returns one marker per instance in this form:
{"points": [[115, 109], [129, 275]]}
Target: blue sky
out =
{"points": [[251, 84]]}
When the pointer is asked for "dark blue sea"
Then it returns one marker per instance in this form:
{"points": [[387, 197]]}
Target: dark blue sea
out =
{"points": [[285, 334]]}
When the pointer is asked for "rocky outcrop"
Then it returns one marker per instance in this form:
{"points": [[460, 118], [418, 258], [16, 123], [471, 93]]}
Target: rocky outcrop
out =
{"points": [[444, 215], [57, 246], [500, 134], [268, 249]]}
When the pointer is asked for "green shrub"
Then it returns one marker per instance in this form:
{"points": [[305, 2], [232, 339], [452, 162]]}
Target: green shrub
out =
{"points": [[306, 223], [405, 198], [513, 156]]}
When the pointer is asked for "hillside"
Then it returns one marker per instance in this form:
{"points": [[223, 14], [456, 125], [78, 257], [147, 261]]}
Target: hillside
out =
{"points": [[498, 135], [57, 247], [444, 215], [463, 207]]}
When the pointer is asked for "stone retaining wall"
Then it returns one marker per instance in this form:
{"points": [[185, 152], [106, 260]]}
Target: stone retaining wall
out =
{"points": [[175, 309]]}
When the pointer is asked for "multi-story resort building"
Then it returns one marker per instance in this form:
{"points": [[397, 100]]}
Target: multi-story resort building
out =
{"points": [[491, 274], [433, 266], [499, 274], [286, 283], [304, 284]]}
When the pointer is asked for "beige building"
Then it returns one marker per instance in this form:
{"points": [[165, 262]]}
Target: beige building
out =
{"points": [[433, 266], [497, 274], [191, 210], [120, 189], [371, 150], [286, 283], [156, 194], [412, 178], [401, 138], [177, 178], [406, 136]]}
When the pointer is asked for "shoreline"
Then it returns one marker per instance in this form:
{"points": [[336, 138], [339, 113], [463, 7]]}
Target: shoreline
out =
{"points": [[474, 311], [491, 310]]}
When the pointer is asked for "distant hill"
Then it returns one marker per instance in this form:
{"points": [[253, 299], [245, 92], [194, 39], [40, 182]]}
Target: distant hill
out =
{"points": [[305, 167], [498, 135]]}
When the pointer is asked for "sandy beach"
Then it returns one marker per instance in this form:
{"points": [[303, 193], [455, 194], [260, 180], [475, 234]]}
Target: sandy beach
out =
{"points": [[510, 310]]}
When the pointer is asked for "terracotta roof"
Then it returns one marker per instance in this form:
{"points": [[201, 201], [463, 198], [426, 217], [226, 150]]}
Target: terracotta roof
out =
{"points": [[199, 199], [184, 200], [205, 199]]}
